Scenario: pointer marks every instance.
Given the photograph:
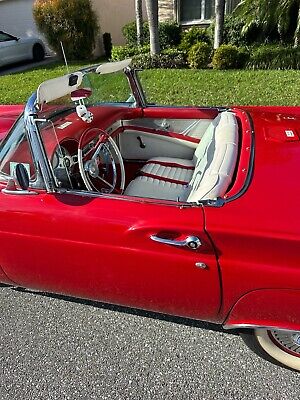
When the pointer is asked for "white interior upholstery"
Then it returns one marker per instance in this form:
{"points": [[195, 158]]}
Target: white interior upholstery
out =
{"points": [[143, 186], [166, 167], [206, 176], [155, 146]]}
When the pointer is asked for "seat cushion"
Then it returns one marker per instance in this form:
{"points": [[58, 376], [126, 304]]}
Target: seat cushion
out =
{"points": [[173, 170], [144, 186]]}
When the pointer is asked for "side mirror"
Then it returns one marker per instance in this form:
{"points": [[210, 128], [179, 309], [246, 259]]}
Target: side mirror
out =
{"points": [[22, 176]]}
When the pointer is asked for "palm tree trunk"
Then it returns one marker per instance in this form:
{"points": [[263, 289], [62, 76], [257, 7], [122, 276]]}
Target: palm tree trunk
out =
{"points": [[219, 24], [175, 8], [139, 21], [152, 11], [297, 31]]}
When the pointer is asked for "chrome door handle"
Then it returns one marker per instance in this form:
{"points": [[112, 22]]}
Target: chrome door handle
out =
{"points": [[192, 242]]}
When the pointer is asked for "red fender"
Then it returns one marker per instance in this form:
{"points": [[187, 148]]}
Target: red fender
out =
{"points": [[271, 308]]}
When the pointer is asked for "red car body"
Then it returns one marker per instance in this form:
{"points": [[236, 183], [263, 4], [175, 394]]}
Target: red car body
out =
{"points": [[251, 244], [246, 273], [8, 115]]}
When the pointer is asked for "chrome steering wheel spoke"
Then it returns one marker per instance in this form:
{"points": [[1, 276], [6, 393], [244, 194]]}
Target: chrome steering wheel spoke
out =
{"points": [[101, 163]]}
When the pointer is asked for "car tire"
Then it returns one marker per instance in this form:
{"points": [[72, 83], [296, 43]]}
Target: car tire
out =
{"points": [[38, 52], [277, 346]]}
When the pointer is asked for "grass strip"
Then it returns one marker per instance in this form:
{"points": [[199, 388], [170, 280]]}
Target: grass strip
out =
{"points": [[180, 87]]}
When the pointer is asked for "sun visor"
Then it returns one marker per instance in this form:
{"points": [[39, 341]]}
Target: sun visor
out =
{"points": [[108, 68], [58, 87]]}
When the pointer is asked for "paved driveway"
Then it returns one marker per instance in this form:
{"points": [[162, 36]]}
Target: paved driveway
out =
{"points": [[24, 66], [55, 348]]}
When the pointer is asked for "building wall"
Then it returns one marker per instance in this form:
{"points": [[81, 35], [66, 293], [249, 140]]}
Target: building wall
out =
{"points": [[167, 10], [113, 15]]}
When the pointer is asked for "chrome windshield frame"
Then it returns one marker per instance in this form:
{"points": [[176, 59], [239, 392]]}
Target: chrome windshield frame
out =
{"points": [[133, 80], [45, 176]]}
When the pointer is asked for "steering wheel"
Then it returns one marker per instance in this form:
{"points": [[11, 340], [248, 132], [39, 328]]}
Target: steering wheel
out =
{"points": [[100, 162]]}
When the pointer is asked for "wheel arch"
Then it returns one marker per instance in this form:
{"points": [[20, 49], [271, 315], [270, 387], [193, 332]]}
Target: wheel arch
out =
{"points": [[266, 308], [41, 47]]}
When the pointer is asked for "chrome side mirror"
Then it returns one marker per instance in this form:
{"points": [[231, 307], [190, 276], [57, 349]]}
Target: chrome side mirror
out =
{"points": [[22, 179], [22, 176]]}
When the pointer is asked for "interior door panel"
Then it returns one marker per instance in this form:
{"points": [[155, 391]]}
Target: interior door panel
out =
{"points": [[190, 127], [135, 145]]}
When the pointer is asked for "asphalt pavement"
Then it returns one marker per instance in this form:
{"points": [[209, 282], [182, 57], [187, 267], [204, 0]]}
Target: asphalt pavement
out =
{"points": [[26, 65], [52, 347]]}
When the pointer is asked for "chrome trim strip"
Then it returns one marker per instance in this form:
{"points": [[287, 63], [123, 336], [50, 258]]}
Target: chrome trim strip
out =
{"points": [[251, 163], [250, 326], [18, 192], [109, 196]]}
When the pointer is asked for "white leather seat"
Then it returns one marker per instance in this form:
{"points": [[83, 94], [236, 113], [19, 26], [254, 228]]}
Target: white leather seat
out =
{"points": [[143, 186], [206, 176], [169, 169]]}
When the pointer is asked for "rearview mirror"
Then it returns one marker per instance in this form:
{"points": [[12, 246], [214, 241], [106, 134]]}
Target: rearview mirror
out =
{"points": [[22, 176]]}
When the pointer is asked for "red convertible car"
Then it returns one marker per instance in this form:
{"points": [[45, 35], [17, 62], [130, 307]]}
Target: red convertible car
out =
{"points": [[189, 211]]}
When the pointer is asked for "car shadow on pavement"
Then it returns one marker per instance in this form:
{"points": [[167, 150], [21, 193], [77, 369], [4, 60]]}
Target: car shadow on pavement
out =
{"points": [[132, 311], [23, 66]]}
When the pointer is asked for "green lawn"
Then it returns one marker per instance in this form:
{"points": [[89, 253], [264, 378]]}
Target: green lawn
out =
{"points": [[189, 87]]}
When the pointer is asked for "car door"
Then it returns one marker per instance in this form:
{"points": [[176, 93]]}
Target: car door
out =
{"points": [[100, 247], [23, 49], [8, 49]]}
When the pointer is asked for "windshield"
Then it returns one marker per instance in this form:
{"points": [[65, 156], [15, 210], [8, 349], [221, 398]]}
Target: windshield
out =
{"points": [[108, 88], [94, 90]]}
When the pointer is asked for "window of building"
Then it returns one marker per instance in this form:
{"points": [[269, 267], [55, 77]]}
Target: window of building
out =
{"points": [[195, 11]]}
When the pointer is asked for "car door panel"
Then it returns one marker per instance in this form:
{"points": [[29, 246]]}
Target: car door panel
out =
{"points": [[24, 48], [139, 145], [12, 51], [9, 52], [100, 248]]}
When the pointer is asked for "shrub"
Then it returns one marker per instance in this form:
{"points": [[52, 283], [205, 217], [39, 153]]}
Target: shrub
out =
{"points": [[199, 55], [119, 53], [192, 36], [72, 22], [171, 58], [169, 34], [226, 56], [174, 51], [107, 44], [129, 33], [243, 58], [274, 57], [234, 34], [232, 31]]}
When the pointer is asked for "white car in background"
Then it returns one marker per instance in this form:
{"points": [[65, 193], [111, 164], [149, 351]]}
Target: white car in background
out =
{"points": [[14, 49]]}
